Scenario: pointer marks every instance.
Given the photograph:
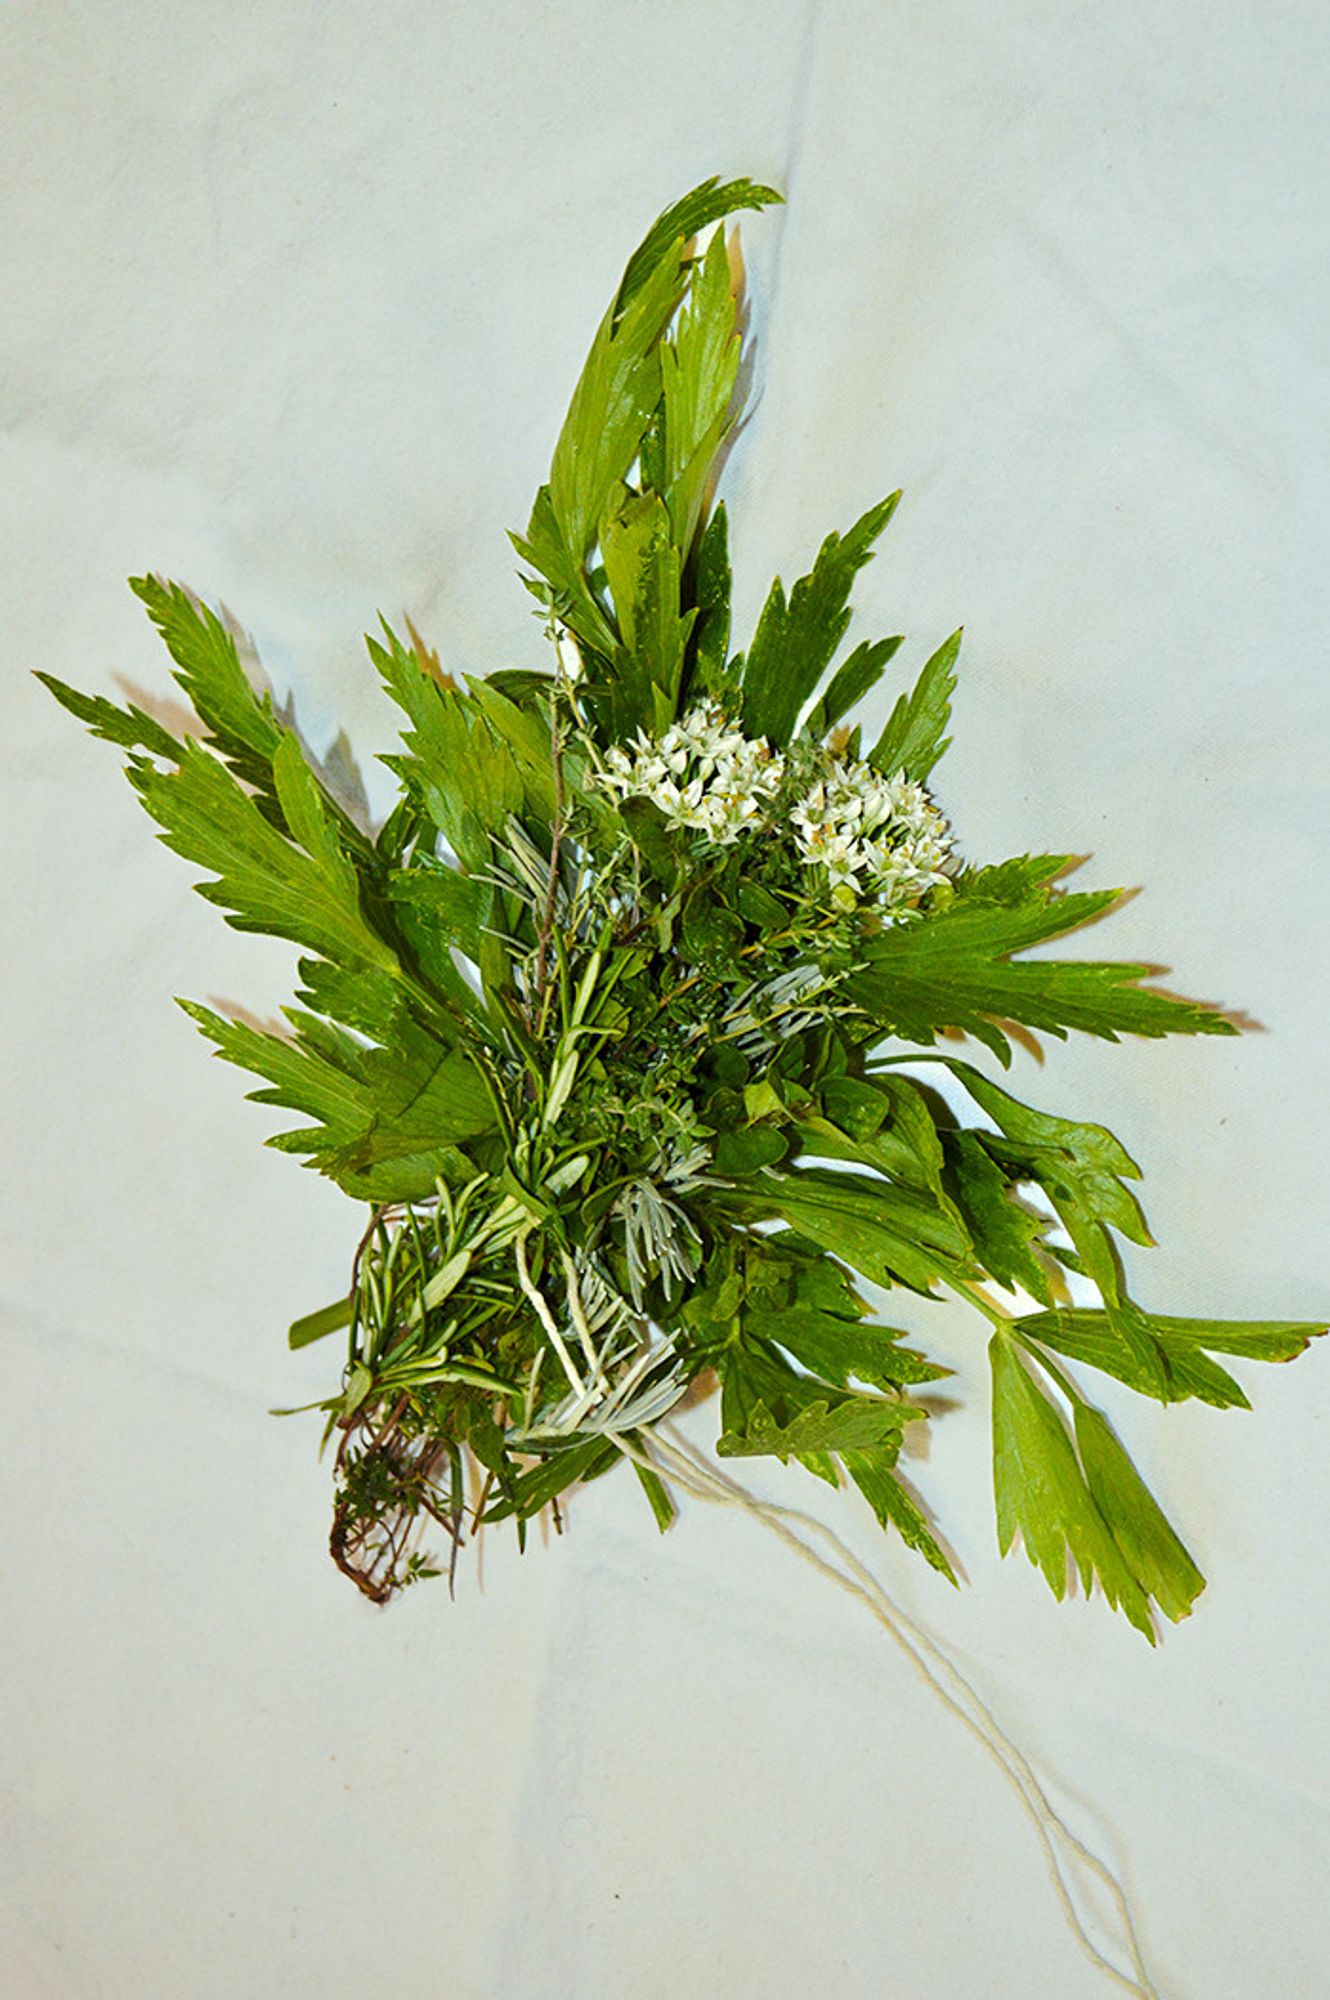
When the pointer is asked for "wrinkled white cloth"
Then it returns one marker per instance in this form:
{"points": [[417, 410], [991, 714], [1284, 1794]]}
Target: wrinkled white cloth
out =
{"points": [[295, 295]]}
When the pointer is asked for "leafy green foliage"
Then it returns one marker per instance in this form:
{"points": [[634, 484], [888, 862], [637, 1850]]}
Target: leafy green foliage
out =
{"points": [[915, 735], [595, 1024], [697, 376], [387, 1121], [128, 726], [956, 972], [644, 394], [643, 566], [207, 667], [796, 639], [1179, 1352], [306, 888], [1081, 1502], [855, 1424], [711, 201], [888, 1233], [855, 678]]}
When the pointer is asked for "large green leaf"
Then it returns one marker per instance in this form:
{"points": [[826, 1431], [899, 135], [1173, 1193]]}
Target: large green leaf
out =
{"points": [[128, 726], [711, 201], [954, 969], [388, 1120], [796, 639], [857, 1423], [894, 1507], [1002, 1231], [1083, 1170], [711, 632], [697, 375], [1111, 1529], [305, 888], [207, 666], [615, 398], [890, 1234], [459, 762], [915, 735], [1180, 1365], [844, 1351], [644, 568], [857, 676]]}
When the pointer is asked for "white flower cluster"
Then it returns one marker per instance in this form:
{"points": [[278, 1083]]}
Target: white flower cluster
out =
{"points": [[873, 835], [702, 773]]}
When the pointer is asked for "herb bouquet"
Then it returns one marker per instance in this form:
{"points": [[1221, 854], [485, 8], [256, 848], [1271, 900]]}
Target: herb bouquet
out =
{"points": [[615, 1025]]}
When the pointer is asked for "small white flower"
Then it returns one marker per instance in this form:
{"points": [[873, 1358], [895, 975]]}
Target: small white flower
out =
{"points": [[874, 836], [703, 774]]}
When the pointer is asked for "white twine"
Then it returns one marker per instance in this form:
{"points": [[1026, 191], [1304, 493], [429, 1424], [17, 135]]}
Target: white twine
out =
{"points": [[696, 1475]]}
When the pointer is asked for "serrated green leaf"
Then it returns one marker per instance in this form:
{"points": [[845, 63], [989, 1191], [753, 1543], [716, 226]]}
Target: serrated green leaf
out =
{"points": [[361, 997], [1041, 1491], [711, 631], [1151, 1549], [954, 970], [1180, 1348], [697, 375], [915, 735], [528, 737], [893, 1506], [856, 1424], [389, 1120], [1002, 1231], [845, 1351], [613, 402], [643, 567], [308, 892], [207, 667], [796, 640], [711, 201], [1082, 1169], [858, 675], [462, 770], [890, 1234], [128, 726], [561, 583], [456, 905]]}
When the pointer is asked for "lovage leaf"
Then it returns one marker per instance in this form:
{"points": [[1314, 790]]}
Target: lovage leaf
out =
{"points": [[697, 374], [711, 201], [858, 1423], [1041, 1491], [857, 676], [796, 640], [1180, 1364], [389, 1120], [894, 1507], [128, 726], [915, 735], [890, 1234], [207, 666], [306, 888], [955, 971]]}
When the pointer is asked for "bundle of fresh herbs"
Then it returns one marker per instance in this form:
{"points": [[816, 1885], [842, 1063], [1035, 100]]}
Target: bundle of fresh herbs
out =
{"points": [[616, 1024]]}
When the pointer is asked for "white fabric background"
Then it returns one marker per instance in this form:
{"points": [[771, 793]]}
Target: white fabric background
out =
{"points": [[295, 296]]}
